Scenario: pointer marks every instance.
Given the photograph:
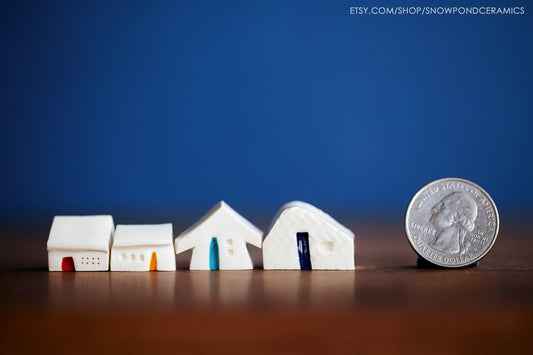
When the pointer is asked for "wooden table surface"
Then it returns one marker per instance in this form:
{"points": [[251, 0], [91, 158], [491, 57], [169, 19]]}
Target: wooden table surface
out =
{"points": [[387, 305]]}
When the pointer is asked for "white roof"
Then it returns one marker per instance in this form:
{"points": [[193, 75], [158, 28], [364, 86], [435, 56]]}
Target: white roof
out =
{"points": [[221, 219], [142, 234], [81, 233], [312, 209]]}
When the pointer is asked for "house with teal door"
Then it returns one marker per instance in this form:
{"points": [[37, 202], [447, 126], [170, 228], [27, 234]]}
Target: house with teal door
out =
{"points": [[218, 240]]}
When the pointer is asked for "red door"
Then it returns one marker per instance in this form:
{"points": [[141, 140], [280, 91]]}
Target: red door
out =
{"points": [[68, 264]]}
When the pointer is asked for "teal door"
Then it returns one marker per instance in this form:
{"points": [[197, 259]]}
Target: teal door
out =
{"points": [[214, 261]]}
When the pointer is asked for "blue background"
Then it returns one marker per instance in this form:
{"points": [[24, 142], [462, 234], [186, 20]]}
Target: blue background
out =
{"points": [[171, 106]]}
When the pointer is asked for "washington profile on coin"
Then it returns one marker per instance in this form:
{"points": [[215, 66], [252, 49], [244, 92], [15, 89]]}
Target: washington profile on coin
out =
{"points": [[452, 222]]}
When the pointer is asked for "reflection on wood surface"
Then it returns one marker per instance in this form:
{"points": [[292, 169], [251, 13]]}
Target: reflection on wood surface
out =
{"points": [[385, 305]]}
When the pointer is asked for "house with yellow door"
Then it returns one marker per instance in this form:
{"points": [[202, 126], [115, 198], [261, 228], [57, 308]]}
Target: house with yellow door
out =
{"points": [[143, 247]]}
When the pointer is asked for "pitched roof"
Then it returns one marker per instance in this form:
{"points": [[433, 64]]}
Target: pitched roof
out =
{"points": [[81, 233], [142, 234], [312, 209], [221, 219]]}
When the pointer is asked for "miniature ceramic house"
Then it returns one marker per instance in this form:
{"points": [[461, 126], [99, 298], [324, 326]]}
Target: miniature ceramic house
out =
{"points": [[80, 243], [303, 237], [219, 240], [143, 248]]}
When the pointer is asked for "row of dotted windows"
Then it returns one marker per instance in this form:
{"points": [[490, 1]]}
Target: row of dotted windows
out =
{"points": [[133, 257], [85, 260]]}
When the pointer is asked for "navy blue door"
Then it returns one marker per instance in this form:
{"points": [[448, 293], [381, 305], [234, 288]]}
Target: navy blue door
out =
{"points": [[302, 240]]}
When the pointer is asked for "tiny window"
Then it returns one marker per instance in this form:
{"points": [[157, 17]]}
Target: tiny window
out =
{"points": [[132, 256], [326, 245]]}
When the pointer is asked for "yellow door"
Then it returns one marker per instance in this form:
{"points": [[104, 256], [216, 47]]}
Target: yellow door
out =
{"points": [[153, 262]]}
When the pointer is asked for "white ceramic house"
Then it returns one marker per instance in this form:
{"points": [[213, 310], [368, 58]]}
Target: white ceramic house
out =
{"points": [[302, 237], [143, 248], [80, 243], [218, 240]]}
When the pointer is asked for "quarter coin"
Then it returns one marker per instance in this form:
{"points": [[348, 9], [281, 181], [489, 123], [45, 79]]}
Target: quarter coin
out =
{"points": [[452, 222]]}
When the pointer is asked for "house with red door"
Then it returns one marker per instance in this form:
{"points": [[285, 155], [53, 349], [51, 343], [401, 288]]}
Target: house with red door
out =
{"points": [[80, 243]]}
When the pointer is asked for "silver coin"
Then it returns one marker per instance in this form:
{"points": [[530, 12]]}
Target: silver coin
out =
{"points": [[452, 222]]}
